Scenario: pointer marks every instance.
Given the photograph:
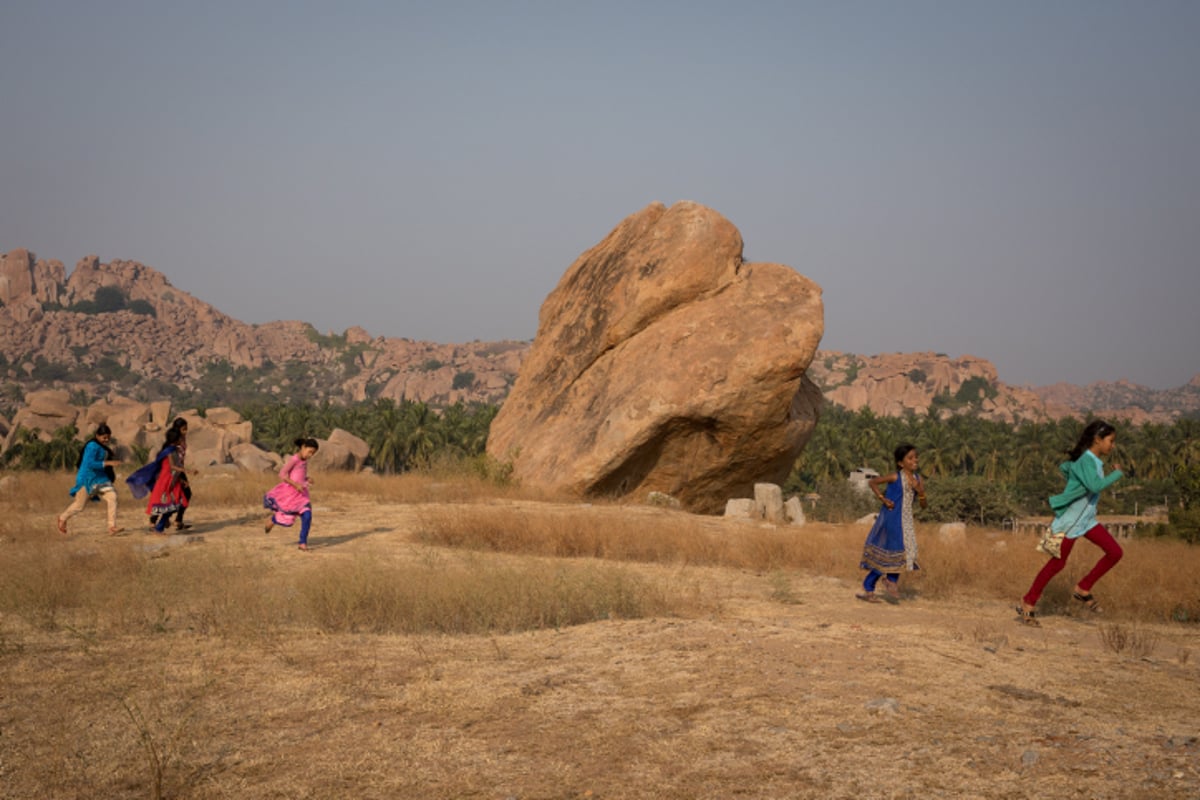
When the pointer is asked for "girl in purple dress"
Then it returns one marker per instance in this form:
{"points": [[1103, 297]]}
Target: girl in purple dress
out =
{"points": [[289, 499]]}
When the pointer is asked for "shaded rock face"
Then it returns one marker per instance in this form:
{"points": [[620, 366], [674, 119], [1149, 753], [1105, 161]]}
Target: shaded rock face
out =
{"points": [[663, 362]]}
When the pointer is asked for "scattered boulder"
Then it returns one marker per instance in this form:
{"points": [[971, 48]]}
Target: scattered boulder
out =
{"points": [[952, 532], [206, 458], [664, 362], [46, 411], [662, 500], [221, 417], [793, 510], [129, 421], [218, 440], [767, 504], [356, 447], [332, 455], [253, 458], [740, 508], [768, 500]]}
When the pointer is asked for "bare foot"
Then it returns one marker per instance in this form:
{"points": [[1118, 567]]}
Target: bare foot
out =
{"points": [[114, 531], [303, 547]]}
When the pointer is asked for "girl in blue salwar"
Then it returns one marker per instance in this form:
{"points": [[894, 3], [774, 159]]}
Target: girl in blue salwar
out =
{"points": [[94, 479], [892, 543]]}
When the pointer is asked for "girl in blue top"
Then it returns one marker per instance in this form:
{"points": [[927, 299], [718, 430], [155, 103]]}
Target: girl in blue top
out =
{"points": [[1075, 517], [94, 479]]}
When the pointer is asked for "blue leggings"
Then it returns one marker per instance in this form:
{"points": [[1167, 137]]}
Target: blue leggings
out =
{"points": [[305, 524], [873, 578]]}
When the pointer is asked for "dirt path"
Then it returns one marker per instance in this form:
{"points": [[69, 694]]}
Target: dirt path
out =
{"points": [[816, 696]]}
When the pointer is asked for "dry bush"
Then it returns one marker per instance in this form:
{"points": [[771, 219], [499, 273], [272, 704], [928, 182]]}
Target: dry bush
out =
{"points": [[1118, 639]]}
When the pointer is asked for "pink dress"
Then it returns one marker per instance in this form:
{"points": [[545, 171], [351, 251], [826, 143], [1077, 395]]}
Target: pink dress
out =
{"points": [[285, 500]]}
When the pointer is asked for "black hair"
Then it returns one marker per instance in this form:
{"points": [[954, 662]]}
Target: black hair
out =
{"points": [[902, 451], [304, 441], [179, 422], [173, 437], [1096, 429]]}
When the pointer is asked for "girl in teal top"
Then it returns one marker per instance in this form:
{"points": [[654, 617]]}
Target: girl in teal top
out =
{"points": [[94, 479], [1075, 517]]}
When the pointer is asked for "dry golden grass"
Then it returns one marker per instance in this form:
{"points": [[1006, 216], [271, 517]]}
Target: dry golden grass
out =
{"points": [[1155, 583], [449, 638]]}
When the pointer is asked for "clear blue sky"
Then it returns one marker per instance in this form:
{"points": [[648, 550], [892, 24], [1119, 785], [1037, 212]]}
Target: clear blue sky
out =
{"points": [[1019, 180]]}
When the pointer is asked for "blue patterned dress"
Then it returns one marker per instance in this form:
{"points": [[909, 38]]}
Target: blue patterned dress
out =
{"points": [[892, 543]]}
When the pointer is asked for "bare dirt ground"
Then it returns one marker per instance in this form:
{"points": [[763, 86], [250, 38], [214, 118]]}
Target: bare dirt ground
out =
{"points": [[815, 695]]}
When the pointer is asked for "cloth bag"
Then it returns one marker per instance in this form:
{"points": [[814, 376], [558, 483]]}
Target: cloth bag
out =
{"points": [[1051, 542]]}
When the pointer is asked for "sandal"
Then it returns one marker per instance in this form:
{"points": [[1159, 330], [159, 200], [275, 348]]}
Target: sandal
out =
{"points": [[114, 531], [1028, 617], [891, 593], [1089, 602], [868, 597], [303, 547], [182, 526]]}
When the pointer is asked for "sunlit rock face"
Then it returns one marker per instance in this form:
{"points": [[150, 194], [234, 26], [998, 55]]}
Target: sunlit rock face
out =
{"points": [[664, 362]]}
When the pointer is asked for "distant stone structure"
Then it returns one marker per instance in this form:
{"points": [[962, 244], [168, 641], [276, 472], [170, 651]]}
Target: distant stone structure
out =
{"points": [[859, 478]]}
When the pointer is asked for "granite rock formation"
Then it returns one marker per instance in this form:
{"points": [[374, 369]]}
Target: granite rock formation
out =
{"points": [[51, 339], [664, 362]]}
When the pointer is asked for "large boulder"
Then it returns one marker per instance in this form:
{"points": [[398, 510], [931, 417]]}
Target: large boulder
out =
{"points": [[356, 447], [331, 456], [664, 362], [46, 411], [252, 458], [212, 437], [128, 420]]}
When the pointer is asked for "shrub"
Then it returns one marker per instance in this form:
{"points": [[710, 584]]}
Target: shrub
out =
{"points": [[142, 307]]}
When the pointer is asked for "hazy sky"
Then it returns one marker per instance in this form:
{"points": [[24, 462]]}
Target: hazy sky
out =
{"points": [[1015, 180]]}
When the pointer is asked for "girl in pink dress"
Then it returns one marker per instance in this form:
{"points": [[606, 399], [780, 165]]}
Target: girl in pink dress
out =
{"points": [[289, 499]]}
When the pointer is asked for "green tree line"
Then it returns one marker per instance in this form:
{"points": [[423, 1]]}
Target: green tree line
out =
{"points": [[979, 470], [402, 436], [986, 471]]}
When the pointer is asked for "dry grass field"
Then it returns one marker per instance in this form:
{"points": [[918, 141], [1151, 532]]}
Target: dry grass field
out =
{"points": [[449, 639]]}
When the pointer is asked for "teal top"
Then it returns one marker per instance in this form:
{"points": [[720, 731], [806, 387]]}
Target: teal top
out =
{"points": [[91, 477], [1075, 508]]}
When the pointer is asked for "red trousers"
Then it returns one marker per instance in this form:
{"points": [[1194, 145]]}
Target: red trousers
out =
{"points": [[1098, 536]]}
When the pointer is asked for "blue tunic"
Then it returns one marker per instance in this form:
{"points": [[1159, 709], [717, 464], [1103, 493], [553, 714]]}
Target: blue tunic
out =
{"points": [[91, 476], [884, 548]]}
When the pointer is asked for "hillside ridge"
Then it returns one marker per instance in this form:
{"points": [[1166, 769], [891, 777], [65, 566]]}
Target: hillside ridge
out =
{"points": [[122, 328]]}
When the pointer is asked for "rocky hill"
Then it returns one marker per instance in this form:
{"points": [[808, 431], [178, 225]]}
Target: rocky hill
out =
{"points": [[894, 384], [122, 328]]}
